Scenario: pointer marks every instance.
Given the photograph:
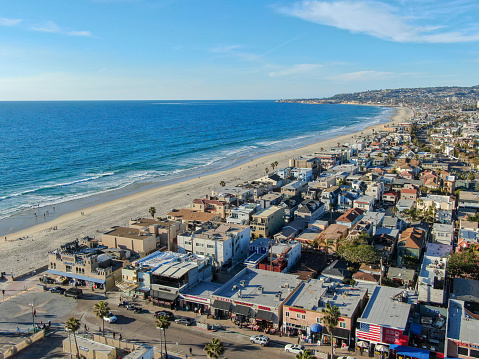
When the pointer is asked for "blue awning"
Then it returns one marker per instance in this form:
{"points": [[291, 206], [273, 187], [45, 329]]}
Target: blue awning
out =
{"points": [[416, 328], [410, 352], [76, 276], [315, 328]]}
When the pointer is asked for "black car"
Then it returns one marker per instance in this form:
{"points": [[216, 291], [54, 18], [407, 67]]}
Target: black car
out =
{"points": [[57, 290], [165, 313], [73, 292]]}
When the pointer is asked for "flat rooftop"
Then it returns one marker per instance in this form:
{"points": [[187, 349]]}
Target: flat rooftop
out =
{"points": [[314, 294], [461, 326], [383, 310], [267, 211], [157, 259], [202, 289], [126, 232], [254, 279]]}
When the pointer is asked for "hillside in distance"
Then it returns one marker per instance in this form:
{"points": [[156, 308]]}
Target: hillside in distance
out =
{"points": [[466, 97]]}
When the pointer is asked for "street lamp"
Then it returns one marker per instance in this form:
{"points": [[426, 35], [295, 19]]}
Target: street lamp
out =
{"points": [[33, 316]]}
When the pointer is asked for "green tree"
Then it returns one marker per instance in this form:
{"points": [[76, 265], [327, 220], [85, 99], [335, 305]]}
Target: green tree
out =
{"points": [[266, 171], [72, 325], [214, 349], [363, 253], [304, 355], [162, 323], [152, 211], [101, 310], [464, 264], [330, 320]]}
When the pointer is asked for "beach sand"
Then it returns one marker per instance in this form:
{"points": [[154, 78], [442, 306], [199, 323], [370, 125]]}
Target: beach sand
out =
{"points": [[21, 256]]}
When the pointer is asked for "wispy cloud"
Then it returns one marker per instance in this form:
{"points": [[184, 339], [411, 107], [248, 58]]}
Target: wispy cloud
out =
{"points": [[364, 76], [299, 69], [51, 27], [9, 22], [393, 23]]}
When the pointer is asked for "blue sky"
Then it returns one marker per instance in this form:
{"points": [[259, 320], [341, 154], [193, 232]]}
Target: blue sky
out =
{"points": [[226, 49]]}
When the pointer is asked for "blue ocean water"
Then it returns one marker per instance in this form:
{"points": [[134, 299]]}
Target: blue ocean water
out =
{"points": [[54, 152]]}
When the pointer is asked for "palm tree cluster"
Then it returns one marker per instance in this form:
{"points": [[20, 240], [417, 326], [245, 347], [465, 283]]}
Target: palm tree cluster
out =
{"points": [[72, 325], [101, 310]]}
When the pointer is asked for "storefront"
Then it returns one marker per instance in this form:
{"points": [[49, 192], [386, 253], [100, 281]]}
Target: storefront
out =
{"points": [[194, 303], [222, 309], [164, 299], [264, 318], [403, 352], [243, 313]]}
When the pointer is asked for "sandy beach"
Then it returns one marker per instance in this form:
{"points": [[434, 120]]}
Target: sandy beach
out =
{"points": [[20, 256]]}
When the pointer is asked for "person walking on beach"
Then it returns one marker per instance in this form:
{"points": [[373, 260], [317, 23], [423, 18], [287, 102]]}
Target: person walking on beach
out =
{"points": [[191, 351]]}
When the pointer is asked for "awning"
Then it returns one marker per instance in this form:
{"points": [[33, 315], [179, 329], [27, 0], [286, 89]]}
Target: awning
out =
{"points": [[242, 310], [315, 328], [166, 296], [339, 333], [222, 305], [76, 276], [410, 352], [416, 328], [126, 287], [265, 315]]}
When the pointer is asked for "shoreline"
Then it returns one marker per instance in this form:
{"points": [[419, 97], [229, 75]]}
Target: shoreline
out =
{"points": [[31, 252]]}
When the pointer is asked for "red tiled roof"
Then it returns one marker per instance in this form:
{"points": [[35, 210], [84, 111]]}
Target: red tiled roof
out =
{"points": [[350, 215]]}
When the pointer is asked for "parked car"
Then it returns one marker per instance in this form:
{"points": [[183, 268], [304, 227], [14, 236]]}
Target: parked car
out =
{"points": [[169, 315], [259, 339], [73, 292], [294, 348], [185, 321], [57, 290], [110, 318]]}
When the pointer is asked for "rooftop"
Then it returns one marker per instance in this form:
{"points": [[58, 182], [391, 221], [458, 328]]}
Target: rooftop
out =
{"points": [[126, 232], [260, 287], [461, 326], [386, 308]]}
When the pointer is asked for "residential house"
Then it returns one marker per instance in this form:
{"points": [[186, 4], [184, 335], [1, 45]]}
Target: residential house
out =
{"points": [[462, 340], [332, 235], [267, 222], [165, 230], [242, 214], [210, 205], [310, 210], [186, 215], [351, 217], [390, 197], [436, 201], [294, 188], [468, 199], [330, 197], [139, 241], [376, 190], [270, 199], [364, 202], [409, 194], [442, 233], [410, 243]]}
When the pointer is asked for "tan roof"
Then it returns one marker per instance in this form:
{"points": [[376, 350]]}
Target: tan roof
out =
{"points": [[366, 276], [190, 215], [127, 232], [414, 237], [334, 231]]}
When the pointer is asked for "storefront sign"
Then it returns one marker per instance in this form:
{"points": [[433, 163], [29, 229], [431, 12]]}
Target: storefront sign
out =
{"points": [[222, 299], [199, 299], [297, 310], [264, 308], [390, 336], [243, 303]]}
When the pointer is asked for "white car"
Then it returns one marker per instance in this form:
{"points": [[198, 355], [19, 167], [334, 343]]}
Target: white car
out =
{"points": [[110, 318], [259, 339], [294, 348]]}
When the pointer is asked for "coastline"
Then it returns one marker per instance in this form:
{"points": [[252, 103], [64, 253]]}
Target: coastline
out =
{"points": [[23, 255]]}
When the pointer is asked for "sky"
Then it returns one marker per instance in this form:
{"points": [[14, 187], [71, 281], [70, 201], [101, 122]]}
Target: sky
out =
{"points": [[232, 49]]}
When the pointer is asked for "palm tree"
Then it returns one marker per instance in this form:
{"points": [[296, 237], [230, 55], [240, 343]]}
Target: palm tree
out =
{"points": [[330, 321], [72, 326], [152, 211], [162, 323], [272, 165], [101, 310], [222, 183], [214, 349], [304, 355], [275, 163]]}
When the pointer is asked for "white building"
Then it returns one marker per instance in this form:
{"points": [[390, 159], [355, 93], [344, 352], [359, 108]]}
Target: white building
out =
{"points": [[221, 242], [242, 214], [431, 283]]}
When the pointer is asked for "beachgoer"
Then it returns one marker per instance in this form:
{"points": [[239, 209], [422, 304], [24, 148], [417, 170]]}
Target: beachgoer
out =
{"points": [[191, 351]]}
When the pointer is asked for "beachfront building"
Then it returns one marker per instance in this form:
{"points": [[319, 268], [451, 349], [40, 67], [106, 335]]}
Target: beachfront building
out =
{"points": [[238, 194], [386, 318], [210, 205], [255, 297], [267, 222], [85, 264], [311, 163], [242, 214], [140, 241], [302, 310], [270, 199], [432, 284], [165, 230], [221, 242], [186, 215]]}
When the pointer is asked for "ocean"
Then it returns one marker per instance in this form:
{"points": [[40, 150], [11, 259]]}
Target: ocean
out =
{"points": [[62, 156]]}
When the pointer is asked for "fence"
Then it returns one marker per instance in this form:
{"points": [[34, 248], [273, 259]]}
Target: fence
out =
{"points": [[22, 345]]}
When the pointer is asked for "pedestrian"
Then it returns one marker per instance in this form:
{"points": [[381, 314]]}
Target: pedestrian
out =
{"points": [[86, 328], [191, 351], [113, 335], [121, 337], [49, 323], [298, 340]]}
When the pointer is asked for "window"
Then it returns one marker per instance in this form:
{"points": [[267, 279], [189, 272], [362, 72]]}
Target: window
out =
{"points": [[474, 353], [287, 314], [298, 316], [210, 246], [318, 320], [201, 253], [303, 316], [462, 351], [342, 324], [68, 268], [199, 244], [188, 243]]}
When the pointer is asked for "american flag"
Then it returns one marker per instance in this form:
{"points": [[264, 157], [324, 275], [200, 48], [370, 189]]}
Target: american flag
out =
{"points": [[369, 332]]}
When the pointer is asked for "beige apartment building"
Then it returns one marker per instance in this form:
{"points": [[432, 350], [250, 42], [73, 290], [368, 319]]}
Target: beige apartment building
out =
{"points": [[267, 222], [139, 241], [166, 231]]}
